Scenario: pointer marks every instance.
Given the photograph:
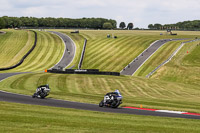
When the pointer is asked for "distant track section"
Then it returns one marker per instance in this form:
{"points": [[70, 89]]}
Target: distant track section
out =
{"points": [[24, 57], [69, 52], [172, 55], [132, 67]]}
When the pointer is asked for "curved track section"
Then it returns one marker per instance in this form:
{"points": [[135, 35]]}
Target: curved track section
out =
{"points": [[24, 99], [17, 98], [131, 68], [69, 53]]}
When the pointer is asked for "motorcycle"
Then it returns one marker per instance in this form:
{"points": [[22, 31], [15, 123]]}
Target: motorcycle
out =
{"points": [[42, 91], [111, 99]]}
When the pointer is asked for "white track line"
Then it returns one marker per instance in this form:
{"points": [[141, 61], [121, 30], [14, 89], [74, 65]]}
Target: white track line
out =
{"points": [[169, 111]]}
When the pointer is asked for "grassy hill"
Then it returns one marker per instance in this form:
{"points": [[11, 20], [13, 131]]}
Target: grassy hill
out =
{"points": [[14, 45], [90, 88], [109, 54], [184, 67], [157, 58], [173, 87], [47, 53]]}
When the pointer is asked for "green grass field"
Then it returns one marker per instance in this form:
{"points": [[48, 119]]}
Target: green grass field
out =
{"points": [[184, 67], [157, 58], [47, 53], [150, 93], [17, 118], [109, 54], [14, 45], [173, 87]]}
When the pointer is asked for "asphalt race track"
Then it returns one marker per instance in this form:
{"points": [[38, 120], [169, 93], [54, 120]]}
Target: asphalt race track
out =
{"points": [[24, 99], [17, 98], [143, 57], [69, 53]]}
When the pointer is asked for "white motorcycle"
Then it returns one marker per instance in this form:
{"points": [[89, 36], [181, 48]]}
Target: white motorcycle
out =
{"points": [[42, 91], [111, 99]]}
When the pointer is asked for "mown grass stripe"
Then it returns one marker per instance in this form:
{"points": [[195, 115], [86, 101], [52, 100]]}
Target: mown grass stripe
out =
{"points": [[45, 55], [104, 54]]}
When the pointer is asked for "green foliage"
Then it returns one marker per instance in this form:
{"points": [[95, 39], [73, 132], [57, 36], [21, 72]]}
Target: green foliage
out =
{"points": [[107, 25], [186, 25], [151, 26], [94, 23], [122, 25], [130, 26], [2, 23]]}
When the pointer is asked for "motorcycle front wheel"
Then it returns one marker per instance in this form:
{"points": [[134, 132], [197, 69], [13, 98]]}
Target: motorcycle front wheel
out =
{"points": [[101, 104]]}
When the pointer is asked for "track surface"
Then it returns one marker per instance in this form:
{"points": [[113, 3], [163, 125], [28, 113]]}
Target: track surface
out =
{"points": [[10, 97], [24, 99], [143, 57], [69, 53], [17, 98]]}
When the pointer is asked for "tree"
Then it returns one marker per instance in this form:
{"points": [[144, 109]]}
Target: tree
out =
{"points": [[157, 26], [150, 26], [94, 23], [107, 25], [130, 26], [122, 25], [2, 23]]}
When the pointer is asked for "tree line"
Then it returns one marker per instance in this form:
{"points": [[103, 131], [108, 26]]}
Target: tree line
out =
{"points": [[186, 25], [28, 22]]}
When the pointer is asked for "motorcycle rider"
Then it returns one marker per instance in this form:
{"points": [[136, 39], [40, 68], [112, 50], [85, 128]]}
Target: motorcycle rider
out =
{"points": [[42, 91], [109, 97]]}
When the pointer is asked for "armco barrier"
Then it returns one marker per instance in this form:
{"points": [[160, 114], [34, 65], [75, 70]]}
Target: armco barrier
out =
{"points": [[24, 57], [83, 71], [82, 54]]}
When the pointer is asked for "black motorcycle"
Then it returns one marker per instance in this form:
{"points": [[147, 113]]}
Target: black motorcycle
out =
{"points": [[41, 91], [112, 99]]}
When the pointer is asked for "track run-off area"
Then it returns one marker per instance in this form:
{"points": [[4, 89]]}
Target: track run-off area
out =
{"points": [[67, 59]]}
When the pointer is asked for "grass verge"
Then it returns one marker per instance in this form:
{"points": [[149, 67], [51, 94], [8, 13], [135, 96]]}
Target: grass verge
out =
{"points": [[17, 118], [136, 91]]}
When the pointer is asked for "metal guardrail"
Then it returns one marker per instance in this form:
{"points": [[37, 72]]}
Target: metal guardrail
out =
{"points": [[171, 56]]}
